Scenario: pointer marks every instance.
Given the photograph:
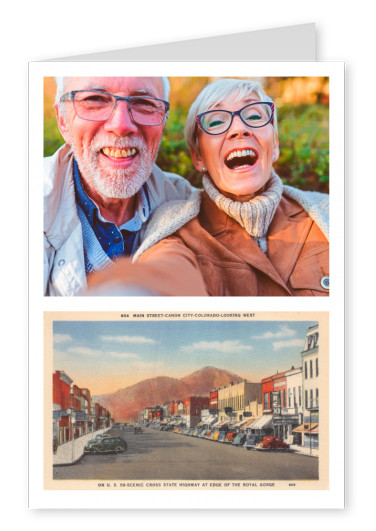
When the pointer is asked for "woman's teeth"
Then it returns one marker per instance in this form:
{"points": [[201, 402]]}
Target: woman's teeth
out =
{"points": [[119, 153], [241, 158], [241, 153]]}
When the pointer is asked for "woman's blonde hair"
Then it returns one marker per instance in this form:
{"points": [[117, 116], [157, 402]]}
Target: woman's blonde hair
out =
{"points": [[216, 92]]}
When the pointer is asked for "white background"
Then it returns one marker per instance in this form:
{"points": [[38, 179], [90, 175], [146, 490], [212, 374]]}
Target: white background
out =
{"points": [[42, 30]]}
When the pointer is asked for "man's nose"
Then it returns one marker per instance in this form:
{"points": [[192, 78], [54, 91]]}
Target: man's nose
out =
{"points": [[238, 128], [120, 121]]}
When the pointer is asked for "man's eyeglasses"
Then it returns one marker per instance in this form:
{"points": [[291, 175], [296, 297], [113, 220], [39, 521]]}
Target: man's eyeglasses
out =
{"points": [[98, 106], [253, 115]]}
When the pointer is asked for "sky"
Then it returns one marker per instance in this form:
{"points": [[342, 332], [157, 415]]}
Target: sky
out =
{"points": [[105, 356]]}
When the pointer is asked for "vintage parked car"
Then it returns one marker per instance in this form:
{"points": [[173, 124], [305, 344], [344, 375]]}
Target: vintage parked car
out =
{"points": [[202, 433], [101, 436], [106, 445], [230, 436], [137, 429], [221, 436], [216, 435], [271, 443], [252, 440], [239, 439]]}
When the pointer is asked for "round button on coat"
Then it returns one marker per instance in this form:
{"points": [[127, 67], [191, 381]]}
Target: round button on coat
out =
{"points": [[325, 282]]}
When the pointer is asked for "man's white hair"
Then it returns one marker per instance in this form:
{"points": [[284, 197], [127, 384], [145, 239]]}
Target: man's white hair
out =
{"points": [[60, 84], [216, 92]]}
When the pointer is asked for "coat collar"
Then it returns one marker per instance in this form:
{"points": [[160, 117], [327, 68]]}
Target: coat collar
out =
{"points": [[287, 233]]}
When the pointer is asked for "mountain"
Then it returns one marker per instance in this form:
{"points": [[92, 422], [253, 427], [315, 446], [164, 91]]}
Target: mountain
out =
{"points": [[208, 378], [127, 403]]}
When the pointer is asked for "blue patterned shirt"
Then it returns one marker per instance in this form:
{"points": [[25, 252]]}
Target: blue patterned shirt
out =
{"points": [[115, 241]]}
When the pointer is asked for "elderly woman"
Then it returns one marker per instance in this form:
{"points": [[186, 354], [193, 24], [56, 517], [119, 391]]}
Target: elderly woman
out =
{"points": [[247, 234]]}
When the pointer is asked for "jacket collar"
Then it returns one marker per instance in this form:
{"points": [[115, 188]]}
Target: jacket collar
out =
{"points": [[60, 212], [287, 233]]}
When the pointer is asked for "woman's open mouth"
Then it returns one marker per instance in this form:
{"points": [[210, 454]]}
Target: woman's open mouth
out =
{"points": [[241, 158]]}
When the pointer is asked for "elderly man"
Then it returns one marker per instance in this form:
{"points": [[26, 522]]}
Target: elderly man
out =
{"points": [[102, 186]]}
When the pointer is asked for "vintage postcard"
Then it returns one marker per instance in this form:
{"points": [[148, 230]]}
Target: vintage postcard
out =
{"points": [[186, 400]]}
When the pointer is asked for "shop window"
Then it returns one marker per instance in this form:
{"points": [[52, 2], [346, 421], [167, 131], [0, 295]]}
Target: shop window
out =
{"points": [[315, 339], [310, 342]]}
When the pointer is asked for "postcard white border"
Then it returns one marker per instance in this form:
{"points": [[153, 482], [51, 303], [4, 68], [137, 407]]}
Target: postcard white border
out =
{"points": [[39, 498]]}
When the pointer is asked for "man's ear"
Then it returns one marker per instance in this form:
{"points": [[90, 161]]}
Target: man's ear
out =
{"points": [[61, 122], [197, 160]]}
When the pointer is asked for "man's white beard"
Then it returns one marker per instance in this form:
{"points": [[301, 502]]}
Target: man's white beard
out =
{"points": [[114, 183]]}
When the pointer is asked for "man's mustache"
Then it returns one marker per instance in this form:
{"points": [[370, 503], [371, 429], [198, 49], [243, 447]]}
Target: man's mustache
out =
{"points": [[100, 142]]}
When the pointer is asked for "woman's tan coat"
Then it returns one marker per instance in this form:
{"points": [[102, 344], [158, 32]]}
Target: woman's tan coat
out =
{"points": [[213, 255]]}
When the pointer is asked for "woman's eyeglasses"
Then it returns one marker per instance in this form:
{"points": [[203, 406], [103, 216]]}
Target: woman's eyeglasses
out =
{"points": [[98, 106], [254, 115]]}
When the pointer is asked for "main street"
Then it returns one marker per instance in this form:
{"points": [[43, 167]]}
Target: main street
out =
{"points": [[160, 455]]}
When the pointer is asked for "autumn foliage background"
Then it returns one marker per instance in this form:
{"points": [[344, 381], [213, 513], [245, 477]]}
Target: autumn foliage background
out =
{"points": [[303, 124]]}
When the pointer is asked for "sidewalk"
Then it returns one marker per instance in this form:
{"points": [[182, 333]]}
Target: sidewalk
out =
{"points": [[313, 452], [72, 451]]}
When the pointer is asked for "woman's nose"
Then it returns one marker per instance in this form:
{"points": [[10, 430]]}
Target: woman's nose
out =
{"points": [[120, 121], [238, 128]]}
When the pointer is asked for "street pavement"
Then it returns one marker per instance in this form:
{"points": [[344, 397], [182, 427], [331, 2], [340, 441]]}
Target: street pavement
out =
{"points": [[161, 455]]}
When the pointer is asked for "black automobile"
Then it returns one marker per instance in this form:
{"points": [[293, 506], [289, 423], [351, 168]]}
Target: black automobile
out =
{"points": [[107, 445]]}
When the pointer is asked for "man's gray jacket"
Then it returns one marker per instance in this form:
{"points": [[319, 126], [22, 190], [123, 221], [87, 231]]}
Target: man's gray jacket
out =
{"points": [[64, 263]]}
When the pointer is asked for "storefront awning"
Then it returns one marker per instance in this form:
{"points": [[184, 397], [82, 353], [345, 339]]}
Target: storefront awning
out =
{"points": [[248, 423], [242, 423], [307, 428], [262, 422], [221, 424], [208, 420]]}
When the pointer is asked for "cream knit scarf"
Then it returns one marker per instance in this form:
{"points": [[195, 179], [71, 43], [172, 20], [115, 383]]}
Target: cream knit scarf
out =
{"points": [[255, 215]]}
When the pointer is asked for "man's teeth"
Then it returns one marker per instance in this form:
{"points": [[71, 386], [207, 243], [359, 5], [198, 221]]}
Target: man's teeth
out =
{"points": [[241, 153], [119, 153]]}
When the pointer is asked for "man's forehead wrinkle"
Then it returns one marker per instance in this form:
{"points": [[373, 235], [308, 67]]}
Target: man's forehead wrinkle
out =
{"points": [[131, 92], [145, 92], [95, 86]]}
